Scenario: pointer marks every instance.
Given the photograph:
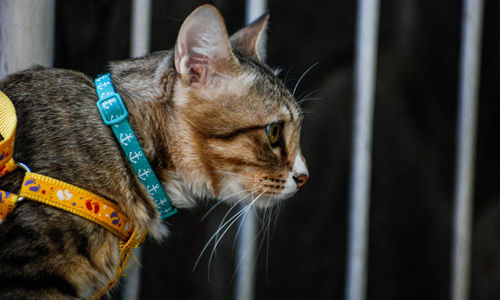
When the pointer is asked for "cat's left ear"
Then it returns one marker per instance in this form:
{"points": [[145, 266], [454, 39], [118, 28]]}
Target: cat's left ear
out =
{"points": [[251, 39], [203, 55]]}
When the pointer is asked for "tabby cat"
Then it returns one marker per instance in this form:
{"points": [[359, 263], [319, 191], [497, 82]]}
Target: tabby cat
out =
{"points": [[212, 118]]}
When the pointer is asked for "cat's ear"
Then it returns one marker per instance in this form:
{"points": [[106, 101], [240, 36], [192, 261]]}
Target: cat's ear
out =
{"points": [[251, 39], [203, 55]]}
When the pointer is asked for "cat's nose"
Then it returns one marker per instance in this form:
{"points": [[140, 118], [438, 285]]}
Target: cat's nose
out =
{"points": [[300, 180]]}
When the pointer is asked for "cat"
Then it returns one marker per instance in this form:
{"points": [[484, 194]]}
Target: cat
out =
{"points": [[212, 118]]}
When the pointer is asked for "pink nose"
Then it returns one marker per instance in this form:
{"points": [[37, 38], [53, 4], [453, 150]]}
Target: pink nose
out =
{"points": [[300, 180]]}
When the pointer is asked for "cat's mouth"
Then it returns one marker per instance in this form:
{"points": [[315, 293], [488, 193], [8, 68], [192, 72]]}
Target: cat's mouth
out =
{"points": [[262, 193]]}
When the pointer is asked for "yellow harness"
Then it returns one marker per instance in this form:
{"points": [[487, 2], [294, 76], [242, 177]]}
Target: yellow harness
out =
{"points": [[62, 195]]}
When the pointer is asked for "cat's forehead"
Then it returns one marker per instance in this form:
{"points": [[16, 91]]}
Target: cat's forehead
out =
{"points": [[271, 94], [265, 102]]}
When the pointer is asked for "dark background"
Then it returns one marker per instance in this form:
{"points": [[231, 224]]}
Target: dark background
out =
{"points": [[413, 150]]}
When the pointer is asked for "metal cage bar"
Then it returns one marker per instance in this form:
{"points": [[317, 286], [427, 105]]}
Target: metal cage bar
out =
{"points": [[246, 251], [26, 34], [139, 45], [364, 88], [140, 27], [466, 139]]}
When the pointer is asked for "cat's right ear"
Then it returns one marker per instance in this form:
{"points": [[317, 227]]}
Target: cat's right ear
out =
{"points": [[203, 55], [251, 39]]}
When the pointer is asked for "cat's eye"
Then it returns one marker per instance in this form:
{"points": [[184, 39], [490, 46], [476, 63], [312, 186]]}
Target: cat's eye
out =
{"points": [[274, 133]]}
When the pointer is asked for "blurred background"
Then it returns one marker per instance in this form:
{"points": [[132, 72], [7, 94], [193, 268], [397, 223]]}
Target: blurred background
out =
{"points": [[413, 149]]}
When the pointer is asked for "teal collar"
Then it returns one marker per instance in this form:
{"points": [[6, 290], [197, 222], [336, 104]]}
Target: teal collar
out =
{"points": [[115, 115]]}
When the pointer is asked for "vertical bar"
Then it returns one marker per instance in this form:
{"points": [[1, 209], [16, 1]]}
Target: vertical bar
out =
{"points": [[26, 34], [141, 27], [365, 70], [466, 138], [246, 252], [139, 45], [245, 276]]}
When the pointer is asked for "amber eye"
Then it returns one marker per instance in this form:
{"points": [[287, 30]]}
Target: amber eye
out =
{"points": [[274, 133]]}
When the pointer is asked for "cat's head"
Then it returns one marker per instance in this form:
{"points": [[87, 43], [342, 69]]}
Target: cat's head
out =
{"points": [[238, 124]]}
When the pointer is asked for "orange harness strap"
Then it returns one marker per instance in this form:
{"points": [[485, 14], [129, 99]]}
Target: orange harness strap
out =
{"points": [[7, 204], [76, 201]]}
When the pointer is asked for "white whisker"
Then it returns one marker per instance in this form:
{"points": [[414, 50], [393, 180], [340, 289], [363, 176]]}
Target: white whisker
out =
{"points": [[240, 226], [305, 94], [286, 75], [308, 99], [224, 199], [259, 233], [303, 74], [267, 237], [221, 227], [228, 224], [243, 210]]}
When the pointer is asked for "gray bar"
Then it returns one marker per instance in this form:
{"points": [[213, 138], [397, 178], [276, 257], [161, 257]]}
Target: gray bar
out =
{"points": [[140, 27], [246, 251], [246, 258], [26, 34], [466, 139], [365, 70], [139, 45]]}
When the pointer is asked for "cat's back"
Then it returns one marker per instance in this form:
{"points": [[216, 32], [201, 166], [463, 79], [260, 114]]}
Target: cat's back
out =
{"points": [[59, 129], [40, 87], [52, 99]]}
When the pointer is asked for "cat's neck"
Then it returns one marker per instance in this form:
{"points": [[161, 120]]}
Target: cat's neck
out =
{"points": [[145, 85], [146, 79]]}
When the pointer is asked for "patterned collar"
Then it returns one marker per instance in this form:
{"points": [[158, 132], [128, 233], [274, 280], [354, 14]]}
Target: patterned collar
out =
{"points": [[115, 115]]}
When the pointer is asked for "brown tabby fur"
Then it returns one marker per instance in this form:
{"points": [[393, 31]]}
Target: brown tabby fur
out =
{"points": [[201, 122]]}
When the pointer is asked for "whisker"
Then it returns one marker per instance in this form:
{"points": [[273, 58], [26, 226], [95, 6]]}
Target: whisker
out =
{"points": [[259, 248], [308, 99], [286, 75], [273, 213], [305, 94], [301, 77], [240, 226], [224, 199], [243, 212], [233, 206], [277, 213], [207, 244], [221, 227], [256, 236], [245, 208]]}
